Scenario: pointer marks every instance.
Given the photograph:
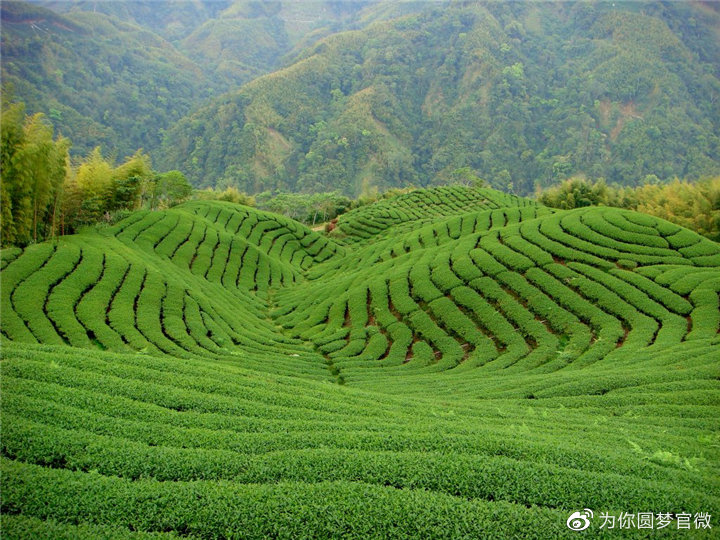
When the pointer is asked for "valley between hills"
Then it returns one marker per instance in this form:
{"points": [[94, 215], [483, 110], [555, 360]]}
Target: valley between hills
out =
{"points": [[447, 363]]}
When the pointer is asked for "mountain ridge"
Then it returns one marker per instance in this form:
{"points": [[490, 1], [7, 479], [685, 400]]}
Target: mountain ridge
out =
{"points": [[576, 89], [176, 55]]}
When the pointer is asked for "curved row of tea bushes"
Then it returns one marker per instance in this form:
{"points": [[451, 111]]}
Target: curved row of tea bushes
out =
{"points": [[422, 206], [535, 295], [466, 365]]}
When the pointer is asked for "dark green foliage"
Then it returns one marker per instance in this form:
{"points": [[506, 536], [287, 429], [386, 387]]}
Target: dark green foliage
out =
{"points": [[100, 81], [119, 73], [522, 95], [169, 189]]}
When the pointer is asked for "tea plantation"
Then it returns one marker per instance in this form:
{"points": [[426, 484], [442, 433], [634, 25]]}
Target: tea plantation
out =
{"points": [[449, 363]]}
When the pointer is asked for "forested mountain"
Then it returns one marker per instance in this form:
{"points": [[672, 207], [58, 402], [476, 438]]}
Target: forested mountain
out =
{"points": [[377, 94], [524, 94], [117, 74], [171, 19], [234, 41], [99, 80]]}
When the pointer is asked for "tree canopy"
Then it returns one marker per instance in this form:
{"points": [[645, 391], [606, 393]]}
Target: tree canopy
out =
{"points": [[522, 94]]}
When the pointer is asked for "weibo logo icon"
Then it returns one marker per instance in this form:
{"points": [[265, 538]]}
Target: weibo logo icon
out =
{"points": [[579, 521]]}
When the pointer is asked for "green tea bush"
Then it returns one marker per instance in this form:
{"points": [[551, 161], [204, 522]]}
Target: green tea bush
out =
{"points": [[462, 363]]}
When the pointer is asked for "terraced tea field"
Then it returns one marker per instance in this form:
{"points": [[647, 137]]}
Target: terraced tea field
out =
{"points": [[450, 363]]}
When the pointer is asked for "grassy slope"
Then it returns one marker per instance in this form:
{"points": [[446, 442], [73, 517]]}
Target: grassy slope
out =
{"points": [[502, 365]]}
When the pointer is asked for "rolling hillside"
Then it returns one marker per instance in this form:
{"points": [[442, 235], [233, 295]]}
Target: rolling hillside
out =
{"points": [[524, 93], [447, 363]]}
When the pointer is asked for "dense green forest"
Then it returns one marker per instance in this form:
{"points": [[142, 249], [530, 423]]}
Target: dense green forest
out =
{"points": [[46, 193], [524, 94], [100, 81], [377, 95], [118, 74]]}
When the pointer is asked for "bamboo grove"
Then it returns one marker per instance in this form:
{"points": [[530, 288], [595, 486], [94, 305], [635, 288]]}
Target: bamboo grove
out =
{"points": [[45, 193]]}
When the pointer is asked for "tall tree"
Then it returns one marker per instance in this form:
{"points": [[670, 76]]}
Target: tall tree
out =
{"points": [[44, 162], [33, 171], [15, 198]]}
